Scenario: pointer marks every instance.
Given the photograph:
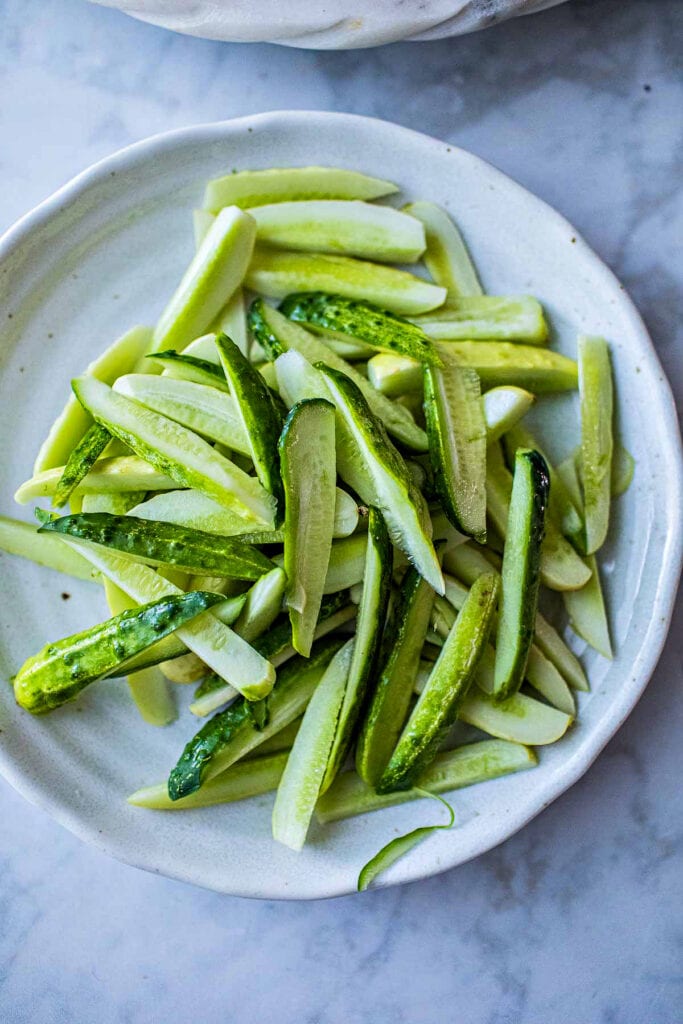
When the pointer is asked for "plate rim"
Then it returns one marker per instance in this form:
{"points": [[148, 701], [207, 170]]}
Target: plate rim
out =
{"points": [[667, 583]]}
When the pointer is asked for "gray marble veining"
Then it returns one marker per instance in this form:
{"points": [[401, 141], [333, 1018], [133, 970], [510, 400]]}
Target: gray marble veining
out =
{"points": [[580, 916]]}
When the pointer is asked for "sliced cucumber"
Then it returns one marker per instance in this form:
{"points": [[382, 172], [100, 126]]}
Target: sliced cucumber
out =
{"points": [[370, 624], [623, 468], [23, 539], [498, 363], [519, 719], [241, 781], [231, 734], [73, 422], [302, 778], [346, 515], [80, 462], [392, 490], [454, 769], [596, 391], [342, 344], [390, 699], [117, 504], [343, 227], [262, 605], [446, 689], [194, 509], [521, 570], [277, 273], [115, 475], [457, 442], [261, 421], [173, 449], [503, 408], [447, 258], [209, 638], [190, 366], [165, 544], [61, 670], [307, 454], [204, 410], [346, 564], [287, 184], [488, 318], [360, 321], [215, 273], [232, 320]]}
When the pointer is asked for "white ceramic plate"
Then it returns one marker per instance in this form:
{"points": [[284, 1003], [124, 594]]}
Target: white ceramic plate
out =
{"points": [[104, 253]]}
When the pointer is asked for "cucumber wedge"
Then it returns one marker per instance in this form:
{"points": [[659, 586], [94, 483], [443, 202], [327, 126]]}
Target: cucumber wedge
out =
{"points": [[498, 363], [23, 539], [203, 410], [519, 719], [190, 366], [307, 454], [457, 443], [212, 277], [346, 565], [466, 562], [503, 408], [446, 258], [241, 781], [370, 624], [194, 509], [259, 417], [623, 468], [446, 689], [165, 544], [73, 422], [277, 273], [231, 734], [596, 392], [392, 490], [361, 321], [279, 335], [210, 639], [61, 670], [390, 699], [287, 184], [521, 571], [80, 462], [300, 784], [488, 318], [263, 605], [108, 476], [232, 320], [173, 449], [343, 227], [454, 769]]}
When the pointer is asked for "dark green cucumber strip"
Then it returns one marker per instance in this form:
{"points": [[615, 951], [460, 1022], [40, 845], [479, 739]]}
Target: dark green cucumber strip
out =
{"points": [[390, 699], [277, 335], [308, 460], [61, 670], [370, 623], [521, 571], [260, 417], [200, 371], [80, 462], [446, 689], [379, 474], [231, 734], [165, 544], [454, 769], [363, 321], [456, 428]]}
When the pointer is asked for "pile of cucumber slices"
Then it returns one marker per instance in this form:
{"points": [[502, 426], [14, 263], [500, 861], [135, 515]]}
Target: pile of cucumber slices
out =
{"points": [[310, 492]]}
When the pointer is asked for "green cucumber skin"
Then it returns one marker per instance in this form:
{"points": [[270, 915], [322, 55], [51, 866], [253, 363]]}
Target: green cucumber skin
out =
{"points": [[232, 732], [184, 548], [390, 699], [80, 462], [521, 571], [361, 320], [60, 671], [446, 689], [201, 371], [370, 625], [260, 416]]}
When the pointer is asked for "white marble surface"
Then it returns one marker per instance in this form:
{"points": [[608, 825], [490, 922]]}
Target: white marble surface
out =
{"points": [[578, 918]]}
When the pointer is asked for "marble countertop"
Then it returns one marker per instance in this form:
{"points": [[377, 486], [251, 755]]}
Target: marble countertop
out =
{"points": [[580, 916]]}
